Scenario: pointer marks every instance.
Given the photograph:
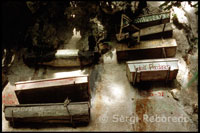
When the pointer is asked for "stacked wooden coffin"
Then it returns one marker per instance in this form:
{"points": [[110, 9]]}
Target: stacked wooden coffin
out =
{"points": [[155, 39], [152, 57], [61, 100]]}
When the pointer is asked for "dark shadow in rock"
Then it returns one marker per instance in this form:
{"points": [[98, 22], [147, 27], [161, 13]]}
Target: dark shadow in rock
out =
{"points": [[176, 23], [145, 88], [31, 125], [95, 75]]}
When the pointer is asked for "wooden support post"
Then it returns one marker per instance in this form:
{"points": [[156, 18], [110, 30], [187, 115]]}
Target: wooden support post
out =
{"points": [[168, 72], [13, 119], [135, 77], [164, 53], [139, 76], [138, 37], [135, 27], [163, 29], [161, 19], [121, 27]]}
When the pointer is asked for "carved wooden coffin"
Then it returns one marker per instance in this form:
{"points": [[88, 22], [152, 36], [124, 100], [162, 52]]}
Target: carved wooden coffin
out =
{"points": [[152, 49], [53, 90], [152, 70], [75, 112], [155, 32], [152, 19]]}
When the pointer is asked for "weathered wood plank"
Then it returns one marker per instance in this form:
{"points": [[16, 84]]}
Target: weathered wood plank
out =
{"points": [[53, 90], [152, 70], [152, 19], [152, 49], [155, 32], [78, 112]]}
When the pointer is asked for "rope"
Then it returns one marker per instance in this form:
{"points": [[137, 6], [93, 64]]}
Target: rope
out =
{"points": [[66, 103]]}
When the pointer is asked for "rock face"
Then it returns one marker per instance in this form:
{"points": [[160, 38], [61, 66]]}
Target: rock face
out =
{"points": [[46, 29], [185, 21], [51, 21], [4, 80], [16, 19]]}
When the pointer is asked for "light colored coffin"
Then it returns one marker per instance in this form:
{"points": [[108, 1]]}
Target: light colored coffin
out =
{"points": [[65, 57], [152, 70]]}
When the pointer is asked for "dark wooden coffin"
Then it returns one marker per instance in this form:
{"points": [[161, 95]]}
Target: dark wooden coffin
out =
{"points": [[76, 112], [152, 70], [155, 32], [152, 19], [53, 90], [152, 49]]}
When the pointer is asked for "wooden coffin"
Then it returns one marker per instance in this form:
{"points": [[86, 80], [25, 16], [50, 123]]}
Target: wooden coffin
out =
{"points": [[155, 32], [76, 112], [152, 19], [72, 58], [152, 49], [62, 58], [53, 90], [152, 70], [67, 57]]}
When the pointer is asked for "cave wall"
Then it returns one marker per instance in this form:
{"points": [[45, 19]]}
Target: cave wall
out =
{"points": [[16, 17]]}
